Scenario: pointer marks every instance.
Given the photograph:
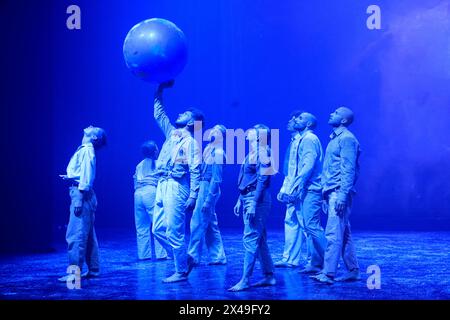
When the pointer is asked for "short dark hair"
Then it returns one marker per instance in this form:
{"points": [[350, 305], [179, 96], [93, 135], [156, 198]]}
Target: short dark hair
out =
{"points": [[150, 149], [100, 140], [197, 114]]}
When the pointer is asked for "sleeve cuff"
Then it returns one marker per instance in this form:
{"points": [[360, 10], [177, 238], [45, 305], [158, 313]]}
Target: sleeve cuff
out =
{"points": [[342, 196], [84, 187], [193, 195]]}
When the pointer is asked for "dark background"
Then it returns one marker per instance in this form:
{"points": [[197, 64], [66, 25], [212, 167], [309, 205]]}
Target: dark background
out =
{"points": [[249, 62]]}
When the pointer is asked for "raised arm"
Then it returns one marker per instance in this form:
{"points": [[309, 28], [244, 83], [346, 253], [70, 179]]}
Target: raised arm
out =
{"points": [[158, 110]]}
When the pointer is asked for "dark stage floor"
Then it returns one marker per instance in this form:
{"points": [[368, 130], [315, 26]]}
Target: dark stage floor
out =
{"points": [[413, 266]]}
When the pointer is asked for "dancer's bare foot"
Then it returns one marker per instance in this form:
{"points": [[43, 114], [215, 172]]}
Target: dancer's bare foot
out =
{"points": [[240, 286], [176, 277], [267, 281]]}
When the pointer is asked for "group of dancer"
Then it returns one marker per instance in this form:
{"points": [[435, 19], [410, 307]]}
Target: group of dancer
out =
{"points": [[180, 178]]}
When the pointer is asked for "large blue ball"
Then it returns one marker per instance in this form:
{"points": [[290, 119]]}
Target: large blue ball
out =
{"points": [[155, 50]]}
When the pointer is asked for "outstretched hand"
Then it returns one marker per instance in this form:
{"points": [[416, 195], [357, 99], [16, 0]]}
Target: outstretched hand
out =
{"points": [[340, 208], [166, 84], [281, 196]]}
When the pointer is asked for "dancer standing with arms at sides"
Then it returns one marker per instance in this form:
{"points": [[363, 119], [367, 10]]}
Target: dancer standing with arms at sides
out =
{"points": [[204, 225], [80, 236], [295, 238], [255, 200], [339, 175]]}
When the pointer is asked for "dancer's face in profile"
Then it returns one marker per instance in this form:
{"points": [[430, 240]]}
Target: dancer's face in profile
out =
{"points": [[301, 122], [184, 119], [342, 116], [291, 123], [89, 134], [252, 135], [336, 118], [252, 138], [215, 133], [257, 137], [92, 134], [89, 131]]}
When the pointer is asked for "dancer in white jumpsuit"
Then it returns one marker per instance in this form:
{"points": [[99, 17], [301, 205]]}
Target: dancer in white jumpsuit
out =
{"points": [[254, 182], [178, 164], [145, 182]]}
